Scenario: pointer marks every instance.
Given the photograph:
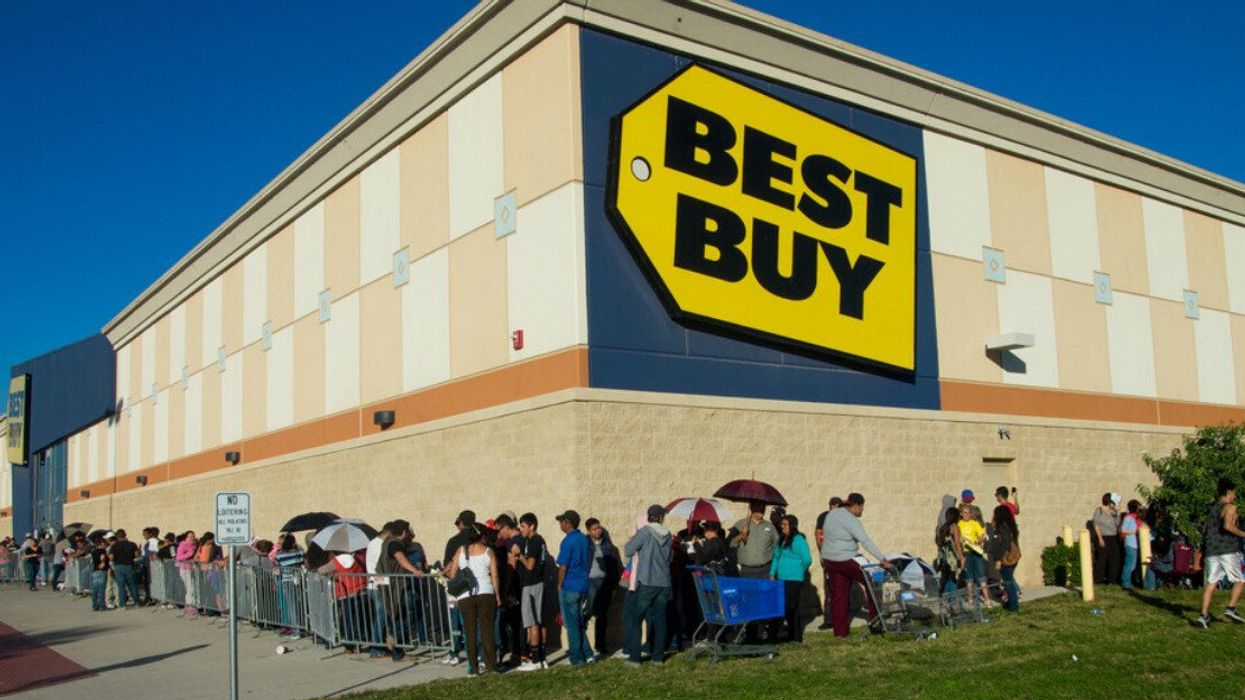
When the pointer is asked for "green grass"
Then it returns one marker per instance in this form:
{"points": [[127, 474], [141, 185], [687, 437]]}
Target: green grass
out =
{"points": [[1143, 645]]}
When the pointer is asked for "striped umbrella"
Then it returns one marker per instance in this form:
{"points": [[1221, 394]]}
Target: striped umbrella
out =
{"points": [[697, 509]]}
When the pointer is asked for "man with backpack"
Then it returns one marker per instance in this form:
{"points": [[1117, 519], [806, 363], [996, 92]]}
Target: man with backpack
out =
{"points": [[1222, 542]]}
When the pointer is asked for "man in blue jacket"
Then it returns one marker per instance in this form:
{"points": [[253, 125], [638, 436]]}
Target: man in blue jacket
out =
{"points": [[574, 561], [648, 600]]}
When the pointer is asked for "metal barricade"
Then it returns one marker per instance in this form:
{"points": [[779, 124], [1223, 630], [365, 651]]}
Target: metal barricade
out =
{"points": [[167, 584], [401, 611], [211, 587], [279, 597], [322, 613], [8, 567], [78, 576]]}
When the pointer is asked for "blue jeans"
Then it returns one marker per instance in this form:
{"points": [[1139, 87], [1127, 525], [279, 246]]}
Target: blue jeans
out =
{"points": [[1008, 574], [574, 604], [32, 573], [99, 581], [123, 575], [1130, 563], [646, 603]]}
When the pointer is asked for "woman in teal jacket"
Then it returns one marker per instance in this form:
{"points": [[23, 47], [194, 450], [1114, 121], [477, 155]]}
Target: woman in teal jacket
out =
{"points": [[790, 565]]}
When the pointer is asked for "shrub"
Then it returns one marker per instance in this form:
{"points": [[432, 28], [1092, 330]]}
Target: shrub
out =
{"points": [[1188, 477], [1061, 566]]}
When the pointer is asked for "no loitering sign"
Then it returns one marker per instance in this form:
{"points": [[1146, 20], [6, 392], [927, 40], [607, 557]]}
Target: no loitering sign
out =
{"points": [[233, 518]]}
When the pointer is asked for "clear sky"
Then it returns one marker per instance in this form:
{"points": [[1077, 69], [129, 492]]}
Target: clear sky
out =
{"points": [[130, 130]]}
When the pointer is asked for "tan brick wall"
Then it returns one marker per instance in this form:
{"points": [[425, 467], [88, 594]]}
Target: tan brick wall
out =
{"points": [[609, 454]]}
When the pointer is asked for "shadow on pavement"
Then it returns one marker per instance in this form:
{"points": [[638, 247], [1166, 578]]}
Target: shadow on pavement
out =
{"points": [[362, 684], [130, 663], [1177, 609]]}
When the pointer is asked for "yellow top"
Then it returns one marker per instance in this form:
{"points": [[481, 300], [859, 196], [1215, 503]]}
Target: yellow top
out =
{"points": [[972, 535]]}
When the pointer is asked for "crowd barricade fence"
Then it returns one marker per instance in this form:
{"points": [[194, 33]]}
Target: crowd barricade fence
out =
{"points": [[78, 576], [403, 611], [9, 569]]}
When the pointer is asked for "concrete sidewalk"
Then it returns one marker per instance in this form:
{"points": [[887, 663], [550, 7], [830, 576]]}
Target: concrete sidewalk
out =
{"points": [[153, 652]]}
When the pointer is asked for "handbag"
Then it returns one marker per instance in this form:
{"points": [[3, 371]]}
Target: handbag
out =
{"points": [[464, 579], [1012, 556]]}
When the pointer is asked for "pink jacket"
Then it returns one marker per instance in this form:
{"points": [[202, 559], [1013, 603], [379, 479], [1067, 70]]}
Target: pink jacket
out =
{"points": [[186, 552]]}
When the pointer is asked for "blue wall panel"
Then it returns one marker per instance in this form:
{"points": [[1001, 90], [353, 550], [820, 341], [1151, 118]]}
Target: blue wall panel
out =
{"points": [[633, 341]]}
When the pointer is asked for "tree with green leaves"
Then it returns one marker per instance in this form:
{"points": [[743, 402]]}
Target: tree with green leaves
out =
{"points": [[1188, 477]]}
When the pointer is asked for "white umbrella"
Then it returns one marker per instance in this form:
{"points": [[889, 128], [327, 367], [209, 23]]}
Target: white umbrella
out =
{"points": [[697, 509], [341, 537]]}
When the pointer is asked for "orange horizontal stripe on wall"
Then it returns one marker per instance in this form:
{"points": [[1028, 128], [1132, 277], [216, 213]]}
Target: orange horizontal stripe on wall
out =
{"points": [[562, 370], [971, 397]]}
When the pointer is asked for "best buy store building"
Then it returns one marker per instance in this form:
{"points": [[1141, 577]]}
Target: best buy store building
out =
{"points": [[598, 255]]}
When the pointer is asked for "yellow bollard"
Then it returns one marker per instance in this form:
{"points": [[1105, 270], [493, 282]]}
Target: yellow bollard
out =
{"points": [[1143, 549], [1087, 568], [1067, 535]]}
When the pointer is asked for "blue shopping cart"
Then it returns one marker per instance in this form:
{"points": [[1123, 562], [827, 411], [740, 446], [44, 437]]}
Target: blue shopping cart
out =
{"points": [[728, 604]]}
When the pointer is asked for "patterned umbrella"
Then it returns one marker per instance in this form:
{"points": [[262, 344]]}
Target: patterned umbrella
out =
{"points": [[341, 537], [698, 509], [746, 490]]}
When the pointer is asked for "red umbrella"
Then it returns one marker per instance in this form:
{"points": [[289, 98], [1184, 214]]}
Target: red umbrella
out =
{"points": [[746, 490], [697, 509]]}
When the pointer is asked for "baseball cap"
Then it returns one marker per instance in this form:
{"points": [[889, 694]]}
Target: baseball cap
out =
{"points": [[570, 516], [967, 496], [467, 517], [109, 535], [1115, 498], [656, 511]]}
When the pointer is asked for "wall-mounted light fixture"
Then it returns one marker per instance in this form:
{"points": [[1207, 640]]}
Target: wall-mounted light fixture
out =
{"points": [[141, 479], [84, 493], [383, 418], [233, 457], [1009, 341]]}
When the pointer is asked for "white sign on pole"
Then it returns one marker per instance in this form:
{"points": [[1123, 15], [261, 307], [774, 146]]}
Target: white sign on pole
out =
{"points": [[233, 518]]}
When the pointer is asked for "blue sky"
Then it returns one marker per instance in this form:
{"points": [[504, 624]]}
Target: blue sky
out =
{"points": [[130, 130]]}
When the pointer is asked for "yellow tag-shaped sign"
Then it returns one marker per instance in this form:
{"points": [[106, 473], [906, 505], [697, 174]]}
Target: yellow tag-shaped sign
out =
{"points": [[756, 215]]}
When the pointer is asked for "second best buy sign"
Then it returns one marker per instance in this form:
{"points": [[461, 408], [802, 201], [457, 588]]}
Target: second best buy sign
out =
{"points": [[756, 215]]}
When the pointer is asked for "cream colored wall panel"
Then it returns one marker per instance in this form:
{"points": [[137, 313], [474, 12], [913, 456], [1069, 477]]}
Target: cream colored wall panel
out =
{"points": [[541, 108], [149, 363], [135, 438], [308, 342], [426, 322], [1121, 238], [136, 369], [254, 294], [1234, 256], [1216, 375], [1175, 351], [193, 415], [425, 188], [479, 331], [163, 343], [194, 332], [1018, 223], [231, 391], [176, 421], [123, 374], [308, 260], [92, 459], [967, 313], [110, 451], [210, 413], [379, 217], [341, 356], [545, 273], [1026, 306], [1203, 237], [211, 323], [1073, 217], [476, 148], [341, 238], [1166, 263], [231, 308], [280, 379], [1238, 353], [380, 341], [959, 196], [177, 345], [120, 457], [1131, 345], [254, 391], [281, 278], [1081, 332], [161, 420]]}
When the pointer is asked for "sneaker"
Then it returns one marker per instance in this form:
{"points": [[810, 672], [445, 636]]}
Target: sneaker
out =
{"points": [[471, 673], [825, 626], [1202, 621], [450, 660], [1232, 615], [527, 666]]}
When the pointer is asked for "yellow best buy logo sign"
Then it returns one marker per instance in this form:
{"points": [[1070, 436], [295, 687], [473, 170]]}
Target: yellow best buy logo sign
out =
{"points": [[753, 214]]}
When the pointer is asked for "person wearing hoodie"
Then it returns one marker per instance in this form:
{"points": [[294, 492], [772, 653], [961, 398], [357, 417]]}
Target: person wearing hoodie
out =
{"points": [[790, 565], [651, 547], [186, 548]]}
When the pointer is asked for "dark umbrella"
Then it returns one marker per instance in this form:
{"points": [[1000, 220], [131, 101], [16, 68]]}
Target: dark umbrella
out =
{"points": [[98, 534], [310, 521], [71, 528], [747, 490]]}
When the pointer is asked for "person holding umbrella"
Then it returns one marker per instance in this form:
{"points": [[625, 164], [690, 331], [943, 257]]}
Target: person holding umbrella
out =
{"points": [[844, 536]]}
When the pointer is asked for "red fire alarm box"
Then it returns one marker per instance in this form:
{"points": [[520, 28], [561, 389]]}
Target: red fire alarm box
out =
{"points": [[516, 339]]}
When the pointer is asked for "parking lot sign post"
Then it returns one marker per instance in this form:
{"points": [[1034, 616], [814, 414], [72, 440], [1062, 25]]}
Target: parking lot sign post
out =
{"points": [[233, 527]]}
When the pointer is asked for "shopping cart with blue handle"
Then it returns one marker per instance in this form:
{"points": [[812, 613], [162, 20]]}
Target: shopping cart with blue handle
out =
{"points": [[728, 604]]}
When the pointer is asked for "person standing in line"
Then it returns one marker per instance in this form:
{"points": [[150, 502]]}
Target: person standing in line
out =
{"points": [[530, 551], [1222, 541], [478, 603], [1106, 520], [820, 534], [509, 617], [187, 546], [973, 542], [950, 552], [1006, 534], [465, 520], [574, 563], [603, 576], [791, 562], [753, 540], [1001, 495], [651, 545], [1129, 526], [99, 575], [844, 538], [122, 556], [31, 556]]}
